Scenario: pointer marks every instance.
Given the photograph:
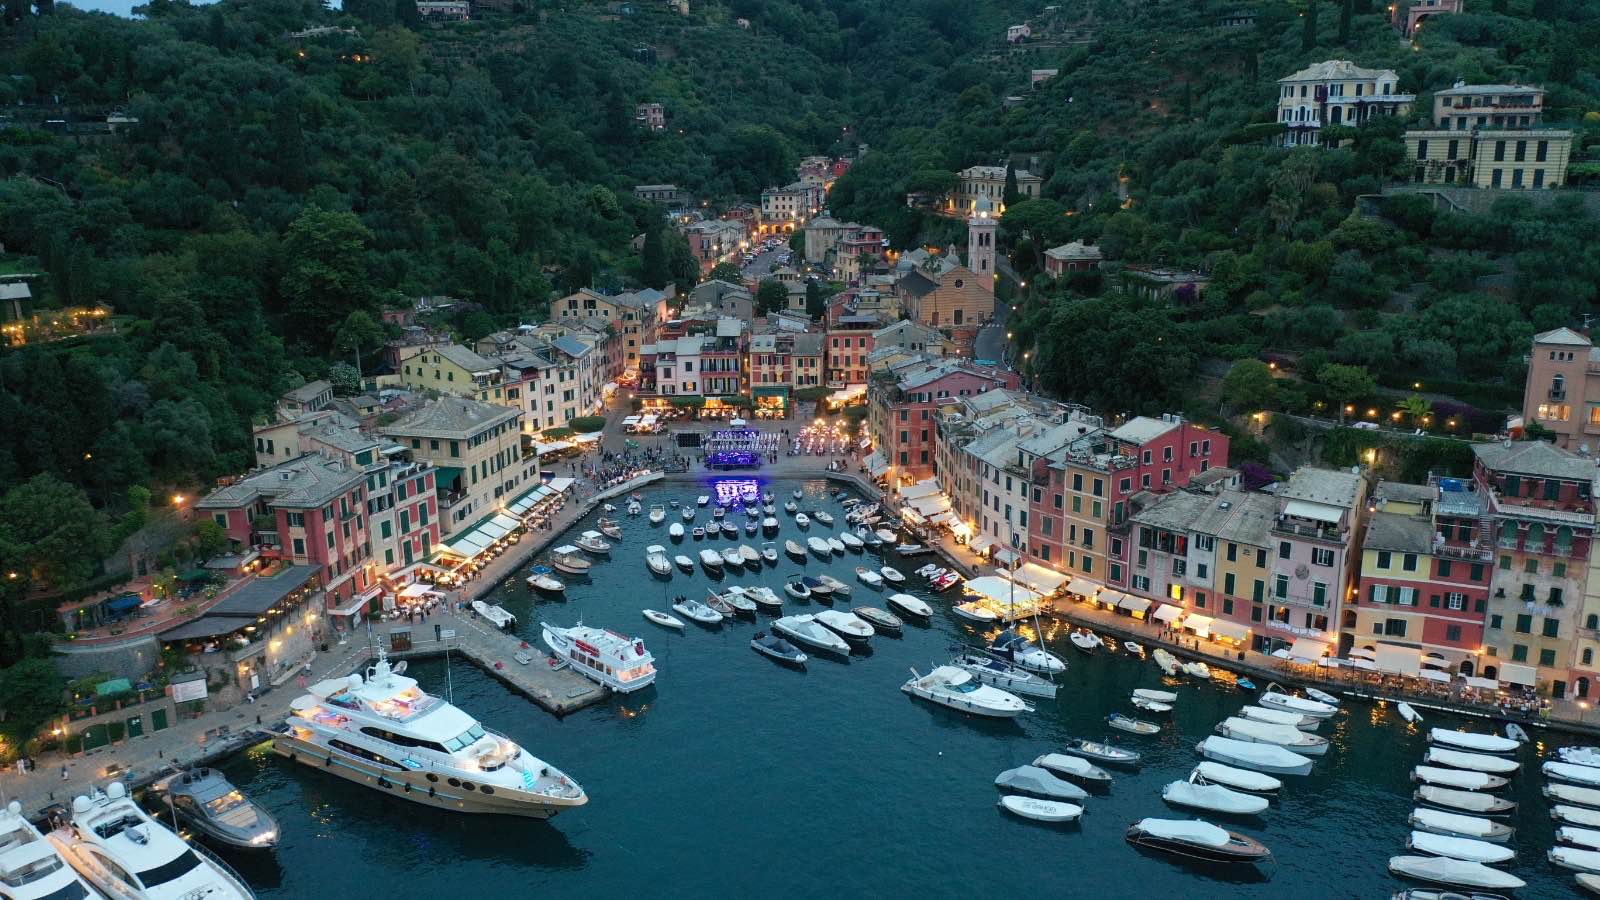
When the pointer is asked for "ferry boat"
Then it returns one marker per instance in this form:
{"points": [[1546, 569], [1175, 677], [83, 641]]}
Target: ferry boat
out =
{"points": [[30, 867], [124, 853], [620, 663], [385, 732]]}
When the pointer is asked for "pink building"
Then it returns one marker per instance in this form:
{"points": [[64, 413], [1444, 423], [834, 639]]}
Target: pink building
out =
{"points": [[1314, 570], [1562, 392], [901, 404], [1418, 10]]}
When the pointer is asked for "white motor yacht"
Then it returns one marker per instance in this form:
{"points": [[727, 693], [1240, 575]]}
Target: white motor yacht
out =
{"points": [[974, 611], [850, 541], [1280, 717], [30, 867], [1267, 733], [819, 547], [1261, 757], [1238, 779], [1457, 825], [1477, 762], [1454, 872], [1468, 849], [1314, 708], [1196, 793], [731, 557], [542, 581], [869, 577], [823, 517], [119, 849], [566, 558], [696, 611], [1013, 646], [603, 656], [958, 689], [1571, 773], [385, 732], [1470, 741], [655, 556], [847, 625], [1457, 778], [806, 630], [914, 607], [997, 672], [711, 559]]}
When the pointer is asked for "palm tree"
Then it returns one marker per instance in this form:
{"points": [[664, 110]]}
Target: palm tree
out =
{"points": [[1416, 407]]}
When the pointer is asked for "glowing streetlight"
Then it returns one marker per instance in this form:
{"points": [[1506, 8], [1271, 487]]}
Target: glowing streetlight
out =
{"points": [[177, 499]]}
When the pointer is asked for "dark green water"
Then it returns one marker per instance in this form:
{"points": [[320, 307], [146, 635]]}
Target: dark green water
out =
{"points": [[735, 777]]}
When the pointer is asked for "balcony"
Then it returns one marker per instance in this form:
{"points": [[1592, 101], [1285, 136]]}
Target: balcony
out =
{"points": [[1458, 551], [1307, 530], [1554, 394]]}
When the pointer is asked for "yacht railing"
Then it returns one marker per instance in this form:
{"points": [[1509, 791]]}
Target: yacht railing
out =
{"points": [[226, 870]]}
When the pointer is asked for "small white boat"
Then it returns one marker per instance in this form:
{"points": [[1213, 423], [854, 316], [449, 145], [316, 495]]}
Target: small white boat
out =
{"points": [[1151, 706], [1315, 708], [702, 500], [1197, 669], [1580, 756], [663, 619], [790, 507], [769, 553], [566, 558], [1075, 768], [1132, 725], [1517, 733], [1466, 740], [1572, 773], [1470, 802], [749, 554], [794, 549], [887, 536], [684, 562], [1587, 861], [1001, 674], [542, 581], [869, 577], [1010, 645], [836, 545], [655, 556], [1085, 641], [803, 520], [910, 549], [891, 575], [1469, 849], [1457, 825], [1261, 757], [1583, 837], [1322, 696], [774, 647], [911, 606], [1454, 872], [1038, 782], [1041, 810], [1279, 717], [1457, 778], [847, 625], [956, 688], [609, 528], [796, 588], [769, 525], [687, 514], [1133, 648], [738, 600], [1407, 712], [730, 529], [1241, 729], [1157, 696], [764, 597], [797, 495], [1477, 762], [696, 611], [658, 514], [850, 541], [805, 630], [732, 557], [973, 611], [634, 508], [1238, 779], [1166, 662], [594, 542], [609, 508], [1571, 793], [1196, 793], [698, 532], [711, 559], [676, 531], [823, 517], [1575, 815], [819, 547]]}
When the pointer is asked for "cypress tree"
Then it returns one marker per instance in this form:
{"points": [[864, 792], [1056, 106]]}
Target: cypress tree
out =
{"points": [[1345, 15], [1308, 37], [1010, 194]]}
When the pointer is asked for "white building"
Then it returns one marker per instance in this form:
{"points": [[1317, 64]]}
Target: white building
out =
{"points": [[1336, 92]]}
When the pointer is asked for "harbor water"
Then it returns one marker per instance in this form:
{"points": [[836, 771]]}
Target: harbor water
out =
{"points": [[733, 776]]}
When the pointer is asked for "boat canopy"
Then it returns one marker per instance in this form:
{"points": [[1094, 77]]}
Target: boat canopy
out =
{"points": [[1168, 614], [1192, 830]]}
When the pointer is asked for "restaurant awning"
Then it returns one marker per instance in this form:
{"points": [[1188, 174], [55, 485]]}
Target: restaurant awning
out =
{"points": [[1363, 653], [1314, 511], [943, 518], [1434, 675], [876, 466], [1233, 631], [1039, 578], [1167, 613], [544, 449], [1514, 673], [929, 506], [1482, 684], [416, 590], [919, 490], [124, 603], [1397, 659], [1200, 625], [561, 485], [590, 438], [1000, 591], [1083, 587], [206, 627], [1005, 556], [1133, 604], [351, 607], [1109, 597], [1307, 650]]}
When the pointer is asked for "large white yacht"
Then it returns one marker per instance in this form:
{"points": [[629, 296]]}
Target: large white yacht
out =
{"points": [[30, 868], [126, 854], [617, 661], [385, 732]]}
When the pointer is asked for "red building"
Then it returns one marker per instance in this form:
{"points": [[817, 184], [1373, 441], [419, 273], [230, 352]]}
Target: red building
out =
{"points": [[846, 347]]}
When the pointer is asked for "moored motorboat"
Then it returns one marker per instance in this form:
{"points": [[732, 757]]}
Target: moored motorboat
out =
{"points": [[655, 557], [1197, 669], [790, 507], [1571, 793], [702, 500], [823, 516], [1197, 793], [603, 656], [869, 577], [687, 514], [847, 625], [663, 619], [1085, 641], [769, 553], [911, 606], [1478, 762], [769, 525], [1572, 773], [593, 542], [658, 514], [992, 670], [821, 591], [1321, 696], [974, 611], [730, 529], [1238, 779], [1408, 712], [819, 547], [1470, 802], [795, 550], [774, 647], [1132, 725], [1457, 778], [739, 600], [1101, 752], [1301, 742], [881, 620], [1453, 872], [1517, 733], [839, 588], [956, 688], [1157, 696], [1151, 706], [1582, 837], [568, 559], [1277, 700], [887, 536], [1439, 821], [209, 804], [696, 611], [805, 630], [1576, 815], [1469, 849], [683, 562], [544, 582], [1261, 757], [796, 588], [1470, 741], [1197, 839], [1012, 646], [1040, 810], [698, 532], [675, 531], [1576, 859], [712, 560], [32, 868], [1580, 756], [1038, 782], [802, 520], [1075, 768], [1166, 662], [835, 545], [1280, 717], [850, 541], [891, 575], [1133, 648], [749, 555], [608, 527]]}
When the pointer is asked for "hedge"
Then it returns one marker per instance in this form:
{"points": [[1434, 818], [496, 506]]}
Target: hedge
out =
{"points": [[587, 424]]}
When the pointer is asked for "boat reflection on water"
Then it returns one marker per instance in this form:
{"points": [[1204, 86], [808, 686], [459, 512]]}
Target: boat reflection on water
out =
{"points": [[631, 710]]}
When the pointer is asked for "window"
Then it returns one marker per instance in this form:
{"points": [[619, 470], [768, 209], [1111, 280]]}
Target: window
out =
{"points": [[1452, 633], [1227, 583], [1319, 593], [1410, 562], [1204, 542], [1455, 600], [1200, 571], [1524, 623], [1280, 587], [1285, 548], [1552, 627], [1141, 583], [1547, 657], [1321, 556], [1383, 559], [1519, 653]]}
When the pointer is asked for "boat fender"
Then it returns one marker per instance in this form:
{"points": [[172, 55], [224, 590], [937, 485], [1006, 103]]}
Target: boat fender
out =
{"points": [[292, 756], [327, 760], [408, 787], [383, 782], [433, 791]]}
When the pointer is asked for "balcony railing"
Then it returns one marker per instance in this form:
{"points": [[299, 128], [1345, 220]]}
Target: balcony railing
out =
{"points": [[1301, 529], [1457, 551]]}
